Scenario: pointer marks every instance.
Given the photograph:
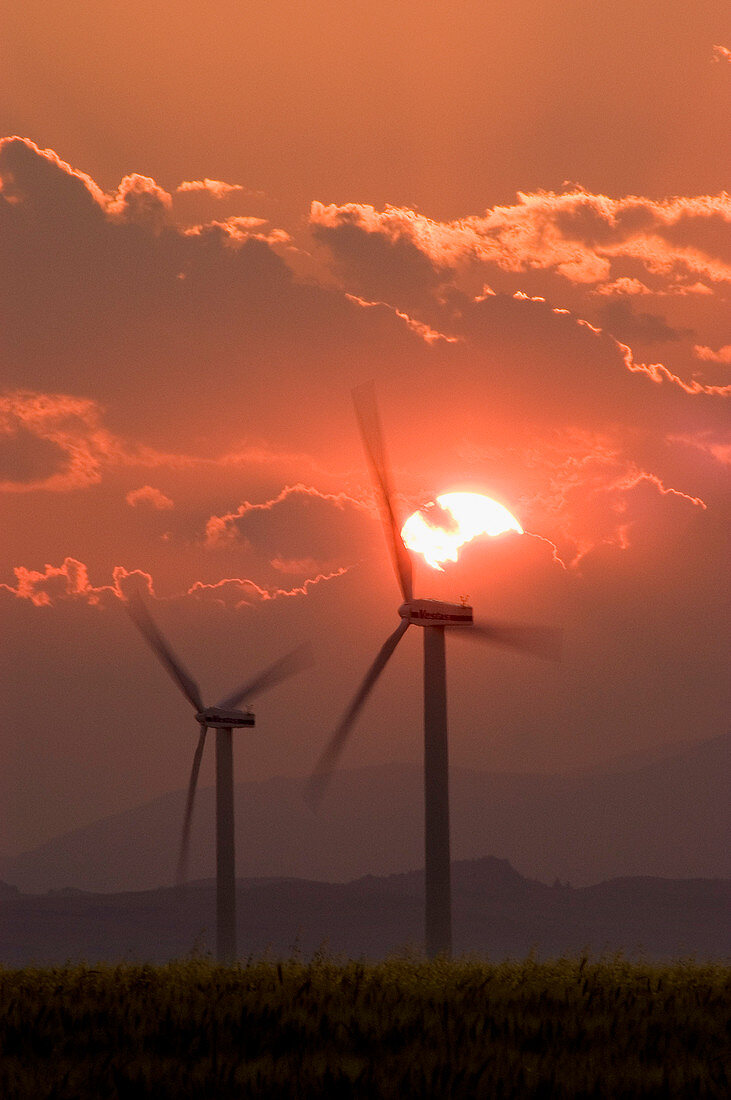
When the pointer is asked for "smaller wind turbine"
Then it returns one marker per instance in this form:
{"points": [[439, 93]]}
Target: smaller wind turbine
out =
{"points": [[435, 617], [223, 718]]}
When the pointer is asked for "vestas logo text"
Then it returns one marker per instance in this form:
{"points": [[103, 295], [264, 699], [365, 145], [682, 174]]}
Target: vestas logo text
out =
{"points": [[420, 613]]}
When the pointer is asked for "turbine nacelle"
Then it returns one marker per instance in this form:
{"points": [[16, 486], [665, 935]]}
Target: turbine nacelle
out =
{"points": [[220, 718], [436, 613]]}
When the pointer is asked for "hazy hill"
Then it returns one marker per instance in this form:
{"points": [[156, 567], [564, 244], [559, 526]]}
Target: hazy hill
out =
{"points": [[497, 912], [665, 818]]}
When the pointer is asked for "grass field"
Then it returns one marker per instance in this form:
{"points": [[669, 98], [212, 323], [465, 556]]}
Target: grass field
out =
{"points": [[403, 1028]]}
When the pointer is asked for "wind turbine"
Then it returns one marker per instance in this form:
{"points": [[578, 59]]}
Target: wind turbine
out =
{"points": [[434, 617], [223, 718]]}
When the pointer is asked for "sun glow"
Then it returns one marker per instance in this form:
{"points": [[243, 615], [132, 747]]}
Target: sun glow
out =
{"points": [[440, 529]]}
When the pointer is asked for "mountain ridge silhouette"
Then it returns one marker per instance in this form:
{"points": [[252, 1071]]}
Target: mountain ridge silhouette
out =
{"points": [[667, 818]]}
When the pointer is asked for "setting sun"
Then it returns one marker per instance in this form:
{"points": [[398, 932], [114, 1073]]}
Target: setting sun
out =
{"points": [[439, 529]]}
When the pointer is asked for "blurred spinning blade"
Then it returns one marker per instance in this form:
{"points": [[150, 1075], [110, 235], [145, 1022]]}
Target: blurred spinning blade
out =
{"points": [[366, 410], [141, 618], [326, 764], [286, 666], [540, 641], [182, 871]]}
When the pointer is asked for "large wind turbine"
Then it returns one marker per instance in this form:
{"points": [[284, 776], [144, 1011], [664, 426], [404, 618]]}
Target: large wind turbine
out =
{"points": [[434, 617], [223, 718]]}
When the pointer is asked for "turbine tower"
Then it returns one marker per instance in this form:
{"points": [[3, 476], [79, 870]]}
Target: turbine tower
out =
{"points": [[223, 718], [435, 618]]}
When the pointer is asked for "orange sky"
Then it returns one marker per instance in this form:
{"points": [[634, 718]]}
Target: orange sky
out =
{"points": [[213, 225]]}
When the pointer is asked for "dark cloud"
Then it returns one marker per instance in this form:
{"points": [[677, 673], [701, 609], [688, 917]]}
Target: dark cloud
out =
{"points": [[133, 309], [107, 298], [65, 431], [27, 460], [299, 532], [40, 189], [377, 265], [648, 328]]}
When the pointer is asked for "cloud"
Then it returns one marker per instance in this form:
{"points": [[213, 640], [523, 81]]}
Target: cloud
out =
{"points": [[720, 53], [139, 201], [70, 581], [27, 461], [649, 328], [235, 593], [58, 441], [588, 363], [39, 180], [685, 289], [718, 449], [223, 528], [582, 488], [660, 374], [723, 355], [622, 286], [578, 235], [301, 526], [216, 311], [240, 228], [216, 188], [295, 567], [395, 256], [428, 334], [119, 291], [150, 496]]}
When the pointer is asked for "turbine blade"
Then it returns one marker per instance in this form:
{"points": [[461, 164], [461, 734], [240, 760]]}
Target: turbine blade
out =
{"points": [[143, 621], [541, 641], [369, 422], [326, 764], [182, 872], [282, 669]]}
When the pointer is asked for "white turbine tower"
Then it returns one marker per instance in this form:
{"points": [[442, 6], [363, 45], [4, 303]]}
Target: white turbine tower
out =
{"points": [[223, 718], [434, 617]]}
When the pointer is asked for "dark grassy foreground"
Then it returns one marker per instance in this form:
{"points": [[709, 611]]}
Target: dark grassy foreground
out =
{"points": [[403, 1028]]}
